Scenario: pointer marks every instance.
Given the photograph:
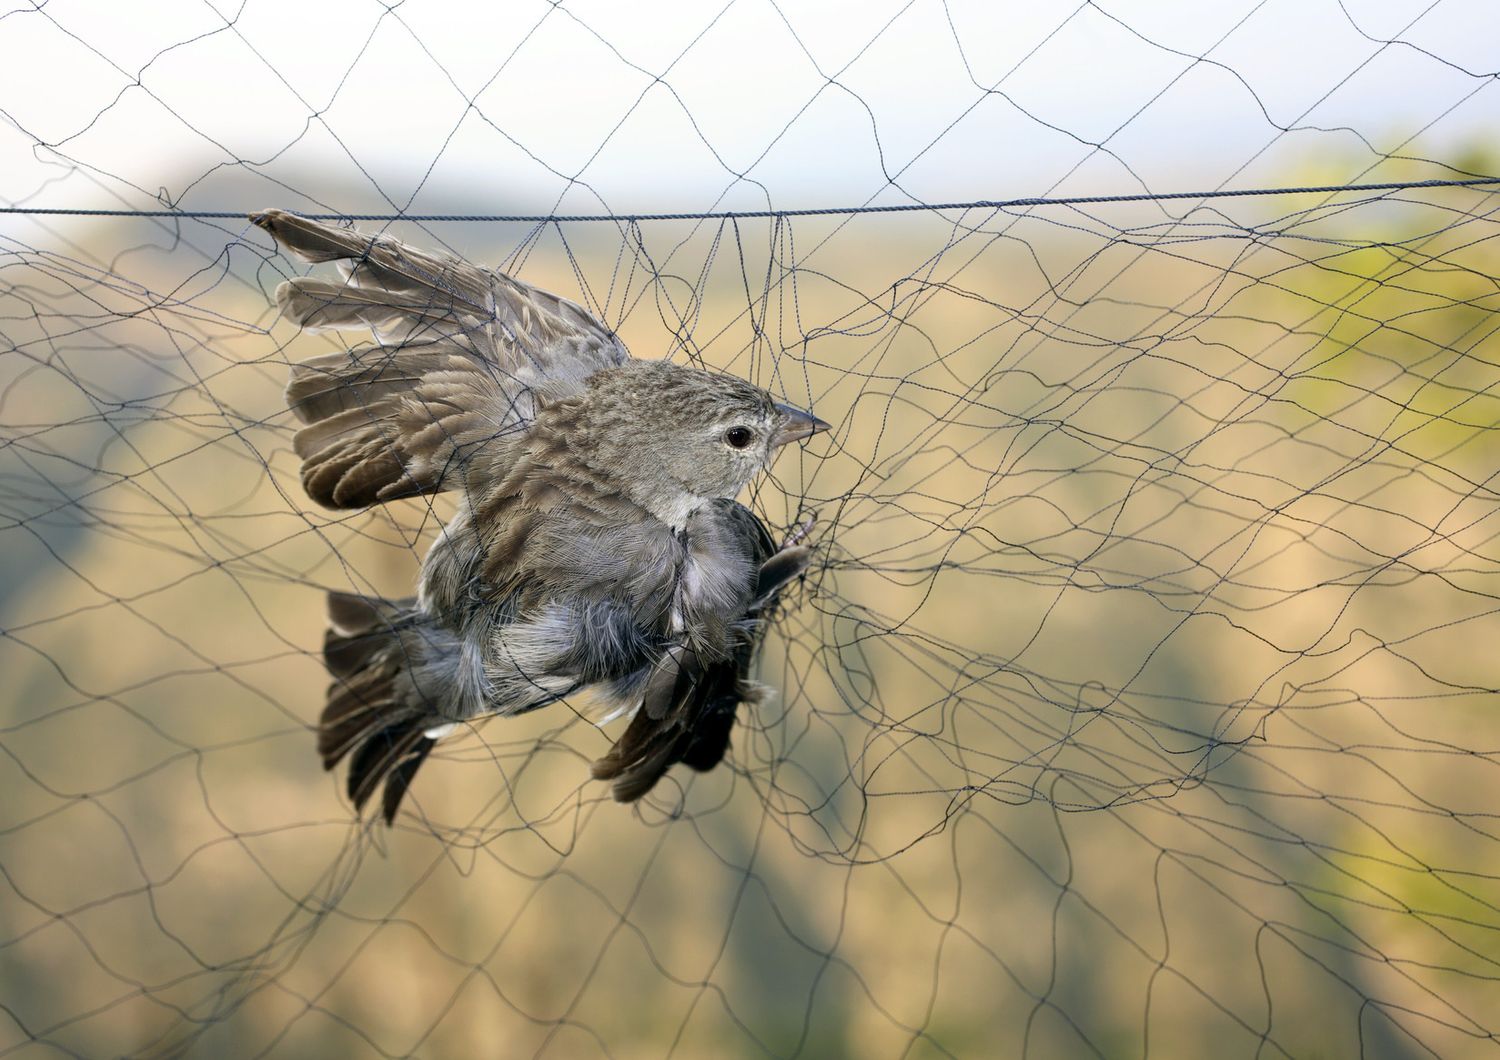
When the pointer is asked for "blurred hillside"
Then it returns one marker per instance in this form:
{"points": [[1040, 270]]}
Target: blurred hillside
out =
{"points": [[1140, 696]]}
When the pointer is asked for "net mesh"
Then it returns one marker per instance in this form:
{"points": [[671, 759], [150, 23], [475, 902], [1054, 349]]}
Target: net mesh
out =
{"points": [[1140, 700]]}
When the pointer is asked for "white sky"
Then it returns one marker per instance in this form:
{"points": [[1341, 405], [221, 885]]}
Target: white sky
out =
{"points": [[659, 106]]}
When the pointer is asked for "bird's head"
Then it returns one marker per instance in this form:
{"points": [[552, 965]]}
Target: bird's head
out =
{"points": [[676, 437]]}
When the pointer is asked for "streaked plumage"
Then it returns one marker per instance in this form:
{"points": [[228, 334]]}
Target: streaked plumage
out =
{"points": [[597, 544]]}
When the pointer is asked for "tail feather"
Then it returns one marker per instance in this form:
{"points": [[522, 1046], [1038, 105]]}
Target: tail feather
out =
{"points": [[348, 656], [399, 778], [379, 757], [355, 710], [371, 715]]}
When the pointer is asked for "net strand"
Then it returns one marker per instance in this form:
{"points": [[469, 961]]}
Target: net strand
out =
{"points": [[819, 211]]}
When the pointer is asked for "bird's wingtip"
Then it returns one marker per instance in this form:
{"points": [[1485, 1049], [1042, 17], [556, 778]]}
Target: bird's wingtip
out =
{"points": [[271, 219]]}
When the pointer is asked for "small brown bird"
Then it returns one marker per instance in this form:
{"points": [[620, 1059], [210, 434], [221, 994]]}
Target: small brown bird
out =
{"points": [[597, 544]]}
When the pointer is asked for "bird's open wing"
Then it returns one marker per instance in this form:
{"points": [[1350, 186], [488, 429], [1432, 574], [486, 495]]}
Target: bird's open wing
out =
{"points": [[689, 705], [461, 355]]}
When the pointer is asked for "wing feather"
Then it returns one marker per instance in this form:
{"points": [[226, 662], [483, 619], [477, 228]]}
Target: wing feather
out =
{"points": [[461, 356]]}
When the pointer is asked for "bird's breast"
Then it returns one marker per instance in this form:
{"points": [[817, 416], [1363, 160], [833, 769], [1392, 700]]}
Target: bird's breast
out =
{"points": [[686, 593], [713, 585]]}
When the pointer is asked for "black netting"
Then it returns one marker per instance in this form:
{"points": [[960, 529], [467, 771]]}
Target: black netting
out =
{"points": [[1141, 697]]}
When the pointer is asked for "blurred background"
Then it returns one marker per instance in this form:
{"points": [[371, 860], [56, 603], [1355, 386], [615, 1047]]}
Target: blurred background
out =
{"points": [[1142, 698]]}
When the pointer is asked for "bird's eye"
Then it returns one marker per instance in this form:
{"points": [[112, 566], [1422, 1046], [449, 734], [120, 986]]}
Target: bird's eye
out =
{"points": [[739, 437]]}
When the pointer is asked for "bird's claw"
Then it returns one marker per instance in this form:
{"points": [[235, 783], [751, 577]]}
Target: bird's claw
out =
{"points": [[800, 533]]}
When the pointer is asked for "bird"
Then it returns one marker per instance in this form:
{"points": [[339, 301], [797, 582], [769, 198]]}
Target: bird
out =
{"points": [[597, 551]]}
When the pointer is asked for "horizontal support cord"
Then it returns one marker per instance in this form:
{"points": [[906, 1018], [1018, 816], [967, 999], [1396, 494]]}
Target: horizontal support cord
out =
{"points": [[825, 211]]}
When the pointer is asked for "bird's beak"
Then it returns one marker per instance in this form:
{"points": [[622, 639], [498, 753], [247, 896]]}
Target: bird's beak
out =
{"points": [[796, 425]]}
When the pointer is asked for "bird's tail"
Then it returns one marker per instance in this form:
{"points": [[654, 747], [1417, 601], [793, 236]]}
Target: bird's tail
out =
{"points": [[378, 713]]}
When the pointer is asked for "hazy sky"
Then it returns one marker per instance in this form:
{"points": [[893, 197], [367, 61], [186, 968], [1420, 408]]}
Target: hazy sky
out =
{"points": [[434, 104]]}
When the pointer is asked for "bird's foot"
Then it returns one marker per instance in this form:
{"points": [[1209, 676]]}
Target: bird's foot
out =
{"points": [[800, 533]]}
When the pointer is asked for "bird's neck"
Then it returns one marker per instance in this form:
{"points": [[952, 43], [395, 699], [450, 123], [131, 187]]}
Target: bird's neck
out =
{"points": [[653, 488], [616, 455], [676, 510]]}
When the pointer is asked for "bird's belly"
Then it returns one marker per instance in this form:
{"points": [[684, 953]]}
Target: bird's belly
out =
{"points": [[567, 646], [607, 647], [525, 663]]}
